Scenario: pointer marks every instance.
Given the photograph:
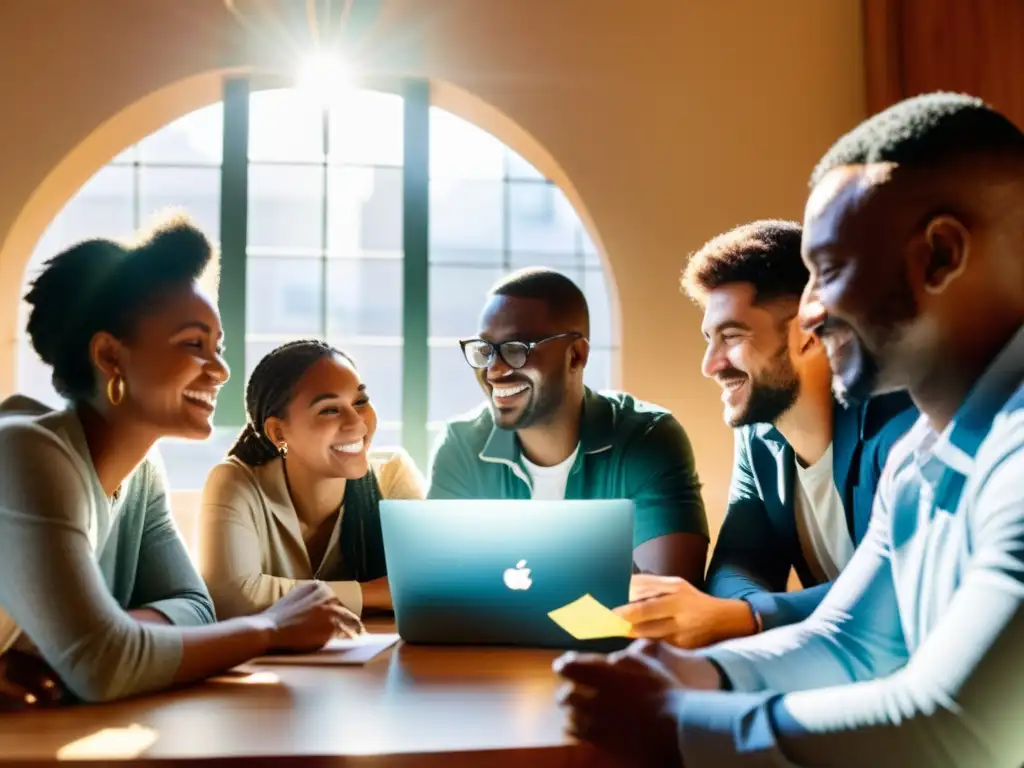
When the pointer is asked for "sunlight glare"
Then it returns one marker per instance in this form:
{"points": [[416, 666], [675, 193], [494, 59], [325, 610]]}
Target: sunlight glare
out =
{"points": [[110, 744], [324, 78]]}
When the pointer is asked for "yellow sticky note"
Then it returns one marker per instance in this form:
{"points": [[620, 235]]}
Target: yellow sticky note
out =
{"points": [[587, 619]]}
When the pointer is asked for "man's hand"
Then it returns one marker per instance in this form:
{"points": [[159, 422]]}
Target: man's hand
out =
{"points": [[688, 669], [622, 703], [671, 609], [26, 682]]}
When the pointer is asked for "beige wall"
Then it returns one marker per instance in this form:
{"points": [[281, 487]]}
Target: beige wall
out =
{"points": [[666, 120]]}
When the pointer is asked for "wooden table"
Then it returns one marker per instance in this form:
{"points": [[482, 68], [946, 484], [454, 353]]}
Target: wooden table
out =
{"points": [[413, 705]]}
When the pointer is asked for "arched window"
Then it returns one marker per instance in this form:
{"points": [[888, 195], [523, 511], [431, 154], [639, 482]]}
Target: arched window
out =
{"points": [[324, 247]]}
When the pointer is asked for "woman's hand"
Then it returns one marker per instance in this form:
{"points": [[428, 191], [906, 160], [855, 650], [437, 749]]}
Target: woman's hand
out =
{"points": [[307, 617], [27, 682]]}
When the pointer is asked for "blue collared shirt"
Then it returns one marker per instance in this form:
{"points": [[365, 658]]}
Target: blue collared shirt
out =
{"points": [[916, 656]]}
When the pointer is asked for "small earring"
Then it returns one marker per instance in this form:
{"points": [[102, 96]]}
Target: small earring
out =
{"points": [[115, 389], [284, 449]]}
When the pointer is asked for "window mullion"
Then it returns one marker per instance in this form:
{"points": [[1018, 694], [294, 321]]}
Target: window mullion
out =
{"points": [[416, 293], [234, 212]]}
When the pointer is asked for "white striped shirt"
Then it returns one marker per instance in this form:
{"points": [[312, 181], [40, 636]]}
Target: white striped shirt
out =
{"points": [[916, 655]]}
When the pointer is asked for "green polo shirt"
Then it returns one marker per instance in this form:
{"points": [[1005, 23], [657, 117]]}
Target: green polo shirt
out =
{"points": [[629, 449]]}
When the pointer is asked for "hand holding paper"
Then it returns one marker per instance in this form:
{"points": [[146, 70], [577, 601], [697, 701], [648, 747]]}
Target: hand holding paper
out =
{"points": [[587, 619]]}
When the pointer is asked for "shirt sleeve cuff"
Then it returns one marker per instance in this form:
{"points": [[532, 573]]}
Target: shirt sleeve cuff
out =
{"points": [[735, 667], [350, 593], [718, 728], [181, 612]]}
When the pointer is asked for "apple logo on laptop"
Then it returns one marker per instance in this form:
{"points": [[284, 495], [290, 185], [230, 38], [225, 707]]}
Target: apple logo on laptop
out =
{"points": [[518, 578]]}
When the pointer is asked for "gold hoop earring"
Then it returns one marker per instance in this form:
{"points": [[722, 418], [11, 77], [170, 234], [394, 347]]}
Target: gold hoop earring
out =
{"points": [[284, 449], [115, 389]]}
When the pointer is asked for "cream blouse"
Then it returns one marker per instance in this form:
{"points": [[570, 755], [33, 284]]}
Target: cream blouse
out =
{"points": [[251, 550]]}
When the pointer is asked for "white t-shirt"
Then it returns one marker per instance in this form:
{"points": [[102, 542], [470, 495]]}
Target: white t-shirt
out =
{"points": [[821, 519], [549, 482]]}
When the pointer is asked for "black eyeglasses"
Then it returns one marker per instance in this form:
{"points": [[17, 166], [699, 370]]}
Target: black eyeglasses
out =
{"points": [[480, 353]]}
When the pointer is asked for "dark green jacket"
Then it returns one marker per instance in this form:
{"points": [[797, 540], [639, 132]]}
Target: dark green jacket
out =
{"points": [[629, 449]]}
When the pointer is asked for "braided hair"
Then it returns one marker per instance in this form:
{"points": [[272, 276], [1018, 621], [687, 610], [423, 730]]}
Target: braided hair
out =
{"points": [[271, 388], [270, 391]]}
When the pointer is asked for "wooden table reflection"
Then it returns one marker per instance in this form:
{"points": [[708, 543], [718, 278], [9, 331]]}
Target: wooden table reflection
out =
{"points": [[413, 705]]}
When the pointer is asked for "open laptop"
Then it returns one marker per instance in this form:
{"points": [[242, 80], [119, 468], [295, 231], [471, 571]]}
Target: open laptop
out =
{"points": [[488, 572]]}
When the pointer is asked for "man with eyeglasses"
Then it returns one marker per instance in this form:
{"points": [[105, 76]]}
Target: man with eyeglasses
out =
{"points": [[543, 434]]}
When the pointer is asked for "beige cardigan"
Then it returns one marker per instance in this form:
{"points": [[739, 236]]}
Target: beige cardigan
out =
{"points": [[250, 547]]}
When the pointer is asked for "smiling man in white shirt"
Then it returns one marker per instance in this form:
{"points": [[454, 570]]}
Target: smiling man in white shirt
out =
{"points": [[914, 237], [543, 434]]}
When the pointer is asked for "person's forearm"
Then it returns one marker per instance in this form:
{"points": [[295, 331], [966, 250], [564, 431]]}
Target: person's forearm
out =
{"points": [[149, 616], [208, 650], [780, 609]]}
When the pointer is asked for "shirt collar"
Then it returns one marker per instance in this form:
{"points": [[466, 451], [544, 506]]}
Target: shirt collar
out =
{"points": [[597, 426], [958, 443]]}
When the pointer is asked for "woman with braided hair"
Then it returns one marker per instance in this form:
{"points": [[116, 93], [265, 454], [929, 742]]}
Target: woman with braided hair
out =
{"points": [[297, 498]]}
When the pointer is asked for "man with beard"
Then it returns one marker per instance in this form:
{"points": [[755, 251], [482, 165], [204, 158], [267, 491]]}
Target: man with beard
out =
{"points": [[543, 434], [805, 467], [914, 235]]}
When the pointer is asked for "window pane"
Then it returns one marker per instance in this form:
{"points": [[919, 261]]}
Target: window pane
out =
{"points": [[34, 376], [283, 296], [286, 207], [570, 264], [196, 191], [366, 128], [104, 207], [364, 211], [285, 125], [518, 168], [468, 258], [380, 368], [598, 374], [433, 430], [453, 385], [599, 302], [458, 149], [466, 215], [457, 297], [127, 157], [592, 257], [364, 297], [540, 219], [388, 437], [188, 462], [195, 138]]}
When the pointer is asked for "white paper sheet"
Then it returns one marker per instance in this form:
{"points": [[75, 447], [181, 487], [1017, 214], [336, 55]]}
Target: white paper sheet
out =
{"points": [[338, 652]]}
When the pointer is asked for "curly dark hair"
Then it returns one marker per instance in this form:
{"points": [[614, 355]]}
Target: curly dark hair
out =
{"points": [[764, 253], [104, 285]]}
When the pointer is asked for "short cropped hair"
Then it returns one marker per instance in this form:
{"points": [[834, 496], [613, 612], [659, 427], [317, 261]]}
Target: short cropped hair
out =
{"points": [[765, 254], [104, 285], [562, 296], [924, 130]]}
